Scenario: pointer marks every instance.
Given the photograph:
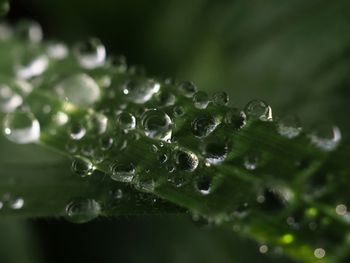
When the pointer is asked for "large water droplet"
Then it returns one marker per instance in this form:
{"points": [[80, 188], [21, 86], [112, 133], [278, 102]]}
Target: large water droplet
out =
{"points": [[215, 151], [289, 127], [258, 109], [140, 90], [326, 137], [156, 124], [80, 89], [122, 172], [90, 54], [186, 161], [9, 100], [82, 210], [236, 119], [21, 127], [202, 126], [82, 166]]}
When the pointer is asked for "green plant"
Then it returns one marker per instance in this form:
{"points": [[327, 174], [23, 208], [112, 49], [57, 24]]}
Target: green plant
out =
{"points": [[115, 123]]}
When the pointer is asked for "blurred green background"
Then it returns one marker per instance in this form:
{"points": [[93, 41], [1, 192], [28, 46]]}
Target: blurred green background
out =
{"points": [[294, 54]]}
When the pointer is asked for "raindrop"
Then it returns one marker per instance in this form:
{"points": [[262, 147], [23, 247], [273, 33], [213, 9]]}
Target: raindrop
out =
{"points": [[215, 151], [57, 50], [29, 30], [221, 98], [156, 124], [140, 91], [258, 109], [187, 88], [203, 184], [166, 98], [31, 63], [204, 125], [21, 127], [79, 89], [126, 121], [16, 203], [201, 100], [326, 137], [236, 119], [106, 142], [90, 54], [186, 161], [123, 172], [77, 131], [9, 100], [82, 166], [289, 127], [82, 210]]}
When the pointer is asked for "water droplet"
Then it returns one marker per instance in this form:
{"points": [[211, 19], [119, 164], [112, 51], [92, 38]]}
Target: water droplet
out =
{"points": [[221, 98], [236, 119], [140, 91], [106, 142], [289, 127], [202, 126], [156, 124], [201, 100], [97, 122], [203, 184], [118, 63], [9, 100], [57, 50], [21, 127], [31, 63], [187, 88], [215, 151], [341, 209], [123, 172], [263, 249], [16, 203], [126, 121], [60, 118], [82, 166], [90, 54], [117, 194], [80, 89], [186, 161], [166, 98], [71, 147], [82, 210], [319, 253], [258, 109], [178, 111], [251, 162], [29, 30], [145, 183], [77, 131], [325, 137]]}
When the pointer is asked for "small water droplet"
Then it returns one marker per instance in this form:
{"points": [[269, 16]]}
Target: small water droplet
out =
{"points": [[201, 100], [126, 121], [251, 162], [9, 100], [31, 63], [82, 210], [319, 253], [221, 98], [325, 137], [236, 119], [258, 109], [166, 98], [122, 172], [215, 151], [140, 91], [106, 142], [90, 54], [263, 249], [203, 184], [79, 89], [202, 126], [156, 124], [187, 88], [289, 127], [71, 147], [29, 30], [341, 209], [21, 127], [77, 131], [82, 166], [178, 111], [145, 183], [57, 50], [186, 161], [16, 203]]}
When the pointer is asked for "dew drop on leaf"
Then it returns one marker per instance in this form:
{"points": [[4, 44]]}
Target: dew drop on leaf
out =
{"points": [[31, 63], [221, 98], [187, 88], [215, 151], [77, 131], [9, 100], [201, 100], [166, 98], [90, 54], [258, 109], [82, 210], [156, 124], [325, 137], [106, 142], [203, 184], [186, 161], [57, 50], [236, 119], [122, 172], [21, 127], [16, 203], [79, 89], [289, 127], [140, 91], [202, 126], [82, 166], [126, 121]]}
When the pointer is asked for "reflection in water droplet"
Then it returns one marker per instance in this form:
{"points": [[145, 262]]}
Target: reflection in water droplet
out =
{"points": [[82, 166], [21, 127], [9, 100], [204, 125], [215, 151], [156, 124], [201, 100], [122, 172], [82, 210], [140, 91], [79, 89], [166, 98], [258, 109], [90, 54]]}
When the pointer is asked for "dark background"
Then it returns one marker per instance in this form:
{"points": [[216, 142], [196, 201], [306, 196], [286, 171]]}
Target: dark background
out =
{"points": [[293, 54]]}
